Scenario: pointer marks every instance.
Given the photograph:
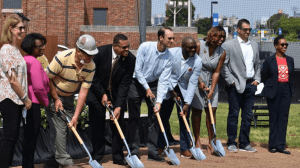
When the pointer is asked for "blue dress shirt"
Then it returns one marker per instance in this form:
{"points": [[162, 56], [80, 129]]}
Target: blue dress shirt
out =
{"points": [[185, 73], [152, 65]]}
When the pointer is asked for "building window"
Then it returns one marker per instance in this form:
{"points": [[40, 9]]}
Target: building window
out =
{"points": [[12, 4], [100, 16]]}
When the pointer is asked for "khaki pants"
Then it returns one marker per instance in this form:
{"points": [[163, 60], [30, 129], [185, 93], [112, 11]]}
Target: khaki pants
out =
{"points": [[59, 130]]}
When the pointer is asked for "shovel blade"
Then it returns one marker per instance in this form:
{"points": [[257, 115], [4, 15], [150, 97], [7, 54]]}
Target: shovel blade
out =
{"points": [[218, 148], [198, 154], [134, 161], [95, 164], [172, 156]]}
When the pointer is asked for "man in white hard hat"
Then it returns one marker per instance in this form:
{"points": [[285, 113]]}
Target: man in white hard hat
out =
{"points": [[68, 71]]}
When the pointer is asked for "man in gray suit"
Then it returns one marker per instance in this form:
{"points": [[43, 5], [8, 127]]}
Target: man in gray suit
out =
{"points": [[241, 71]]}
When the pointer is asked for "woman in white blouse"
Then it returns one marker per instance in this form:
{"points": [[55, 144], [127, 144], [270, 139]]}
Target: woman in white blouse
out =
{"points": [[13, 86]]}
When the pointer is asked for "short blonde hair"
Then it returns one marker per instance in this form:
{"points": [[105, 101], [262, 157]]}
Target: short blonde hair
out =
{"points": [[12, 21]]}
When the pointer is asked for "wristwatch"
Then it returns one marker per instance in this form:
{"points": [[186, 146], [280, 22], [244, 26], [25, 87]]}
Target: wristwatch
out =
{"points": [[24, 97]]}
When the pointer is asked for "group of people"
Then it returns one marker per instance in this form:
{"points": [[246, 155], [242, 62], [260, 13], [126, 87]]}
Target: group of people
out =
{"points": [[111, 74]]}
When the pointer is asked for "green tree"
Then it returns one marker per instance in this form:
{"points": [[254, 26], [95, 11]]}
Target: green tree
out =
{"points": [[181, 17], [290, 27], [203, 25], [271, 22]]}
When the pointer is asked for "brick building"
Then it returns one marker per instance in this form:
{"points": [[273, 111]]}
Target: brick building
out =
{"points": [[103, 19]]}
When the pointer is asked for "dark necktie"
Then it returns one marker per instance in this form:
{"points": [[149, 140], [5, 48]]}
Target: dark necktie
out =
{"points": [[111, 72]]}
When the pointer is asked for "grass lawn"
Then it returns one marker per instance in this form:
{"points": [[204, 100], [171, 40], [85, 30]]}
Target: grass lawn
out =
{"points": [[258, 134]]}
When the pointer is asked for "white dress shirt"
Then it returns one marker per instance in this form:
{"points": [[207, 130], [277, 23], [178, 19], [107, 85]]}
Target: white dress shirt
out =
{"points": [[114, 56], [248, 56]]}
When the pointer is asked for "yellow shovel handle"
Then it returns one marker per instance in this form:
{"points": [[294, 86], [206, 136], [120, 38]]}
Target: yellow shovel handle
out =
{"points": [[76, 133], [160, 123], [119, 128], [211, 113], [186, 123]]}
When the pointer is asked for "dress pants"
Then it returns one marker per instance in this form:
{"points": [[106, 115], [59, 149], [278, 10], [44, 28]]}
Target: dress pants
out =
{"points": [[59, 130], [31, 133], [135, 96], [237, 101], [97, 114], [166, 111], [11, 114], [279, 108]]}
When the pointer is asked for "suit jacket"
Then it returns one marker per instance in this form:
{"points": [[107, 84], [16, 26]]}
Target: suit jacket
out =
{"points": [[234, 68], [270, 75], [121, 77], [186, 75]]}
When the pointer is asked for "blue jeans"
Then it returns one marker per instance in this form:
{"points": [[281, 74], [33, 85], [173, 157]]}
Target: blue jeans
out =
{"points": [[237, 101], [165, 112]]}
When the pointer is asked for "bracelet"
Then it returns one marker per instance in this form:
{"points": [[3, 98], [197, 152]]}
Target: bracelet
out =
{"points": [[187, 104], [201, 80], [24, 97]]}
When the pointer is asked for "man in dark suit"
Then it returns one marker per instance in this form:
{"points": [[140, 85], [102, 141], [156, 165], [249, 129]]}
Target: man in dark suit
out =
{"points": [[241, 72], [113, 75]]}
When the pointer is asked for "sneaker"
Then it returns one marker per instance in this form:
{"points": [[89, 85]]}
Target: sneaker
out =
{"points": [[186, 154], [248, 148], [232, 148]]}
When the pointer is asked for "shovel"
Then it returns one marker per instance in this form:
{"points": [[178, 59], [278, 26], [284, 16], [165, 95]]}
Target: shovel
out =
{"points": [[216, 144], [92, 162], [133, 161], [169, 152], [196, 152]]}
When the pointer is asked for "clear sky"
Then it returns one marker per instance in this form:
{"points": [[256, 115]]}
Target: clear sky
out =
{"points": [[249, 9]]}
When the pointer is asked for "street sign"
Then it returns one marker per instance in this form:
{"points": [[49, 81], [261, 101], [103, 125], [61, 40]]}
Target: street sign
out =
{"points": [[215, 19], [279, 31]]}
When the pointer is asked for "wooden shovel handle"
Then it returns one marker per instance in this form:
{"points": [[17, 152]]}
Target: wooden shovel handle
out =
{"points": [[186, 123], [211, 113], [160, 123], [76, 134], [119, 128]]}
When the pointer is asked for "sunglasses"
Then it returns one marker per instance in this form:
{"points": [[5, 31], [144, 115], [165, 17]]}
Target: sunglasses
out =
{"points": [[40, 46], [191, 47], [284, 44], [125, 47], [246, 29], [20, 28], [171, 38]]}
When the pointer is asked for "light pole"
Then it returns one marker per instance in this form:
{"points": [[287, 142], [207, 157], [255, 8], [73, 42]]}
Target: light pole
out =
{"points": [[212, 2], [172, 4]]}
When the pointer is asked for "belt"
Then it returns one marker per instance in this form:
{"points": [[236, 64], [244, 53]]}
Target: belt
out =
{"points": [[249, 80]]}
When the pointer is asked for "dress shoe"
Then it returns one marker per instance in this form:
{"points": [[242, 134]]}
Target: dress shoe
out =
{"points": [[70, 166], [272, 150], [283, 151], [186, 154], [51, 164], [155, 158], [120, 162], [160, 151], [100, 161]]}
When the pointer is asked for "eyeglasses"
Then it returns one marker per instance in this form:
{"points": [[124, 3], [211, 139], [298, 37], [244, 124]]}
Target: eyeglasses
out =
{"points": [[20, 28], [40, 46], [246, 29], [124, 48], [191, 47], [284, 44], [171, 38]]}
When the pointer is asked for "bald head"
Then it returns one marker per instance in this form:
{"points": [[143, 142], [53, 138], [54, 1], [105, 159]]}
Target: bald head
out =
{"points": [[189, 47], [187, 39]]}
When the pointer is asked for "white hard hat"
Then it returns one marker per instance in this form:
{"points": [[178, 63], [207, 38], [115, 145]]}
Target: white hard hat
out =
{"points": [[88, 44]]}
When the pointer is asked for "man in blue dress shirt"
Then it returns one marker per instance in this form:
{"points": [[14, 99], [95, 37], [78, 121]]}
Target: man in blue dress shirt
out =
{"points": [[151, 77], [183, 82]]}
